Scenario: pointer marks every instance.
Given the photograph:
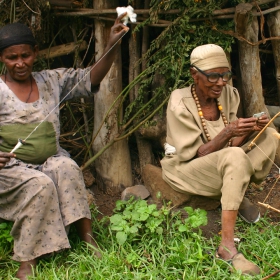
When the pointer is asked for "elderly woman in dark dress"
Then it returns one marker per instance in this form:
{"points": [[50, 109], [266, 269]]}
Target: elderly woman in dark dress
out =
{"points": [[207, 146], [42, 190]]}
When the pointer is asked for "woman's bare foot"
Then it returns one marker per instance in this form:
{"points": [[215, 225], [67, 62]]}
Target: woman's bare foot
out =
{"points": [[94, 247], [26, 269]]}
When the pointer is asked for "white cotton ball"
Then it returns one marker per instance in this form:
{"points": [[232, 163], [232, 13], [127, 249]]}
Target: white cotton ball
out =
{"points": [[120, 10], [129, 14]]}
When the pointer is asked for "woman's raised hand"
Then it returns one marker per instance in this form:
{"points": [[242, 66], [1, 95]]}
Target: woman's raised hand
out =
{"points": [[117, 30]]}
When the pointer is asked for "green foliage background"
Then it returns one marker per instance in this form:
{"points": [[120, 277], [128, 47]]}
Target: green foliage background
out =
{"points": [[168, 55]]}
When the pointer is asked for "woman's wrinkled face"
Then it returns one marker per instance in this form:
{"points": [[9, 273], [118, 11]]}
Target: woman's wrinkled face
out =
{"points": [[204, 87], [19, 60]]}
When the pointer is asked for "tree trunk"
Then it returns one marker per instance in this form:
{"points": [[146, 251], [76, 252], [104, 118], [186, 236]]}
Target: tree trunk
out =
{"points": [[274, 30], [113, 167], [247, 26]]}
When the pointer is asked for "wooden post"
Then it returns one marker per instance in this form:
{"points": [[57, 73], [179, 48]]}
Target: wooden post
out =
{"points": [[247, 27], [136, 48], [273, 23], [113, 167]]}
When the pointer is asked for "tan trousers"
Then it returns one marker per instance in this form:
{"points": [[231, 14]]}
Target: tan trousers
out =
{"points": [[225, 173]]}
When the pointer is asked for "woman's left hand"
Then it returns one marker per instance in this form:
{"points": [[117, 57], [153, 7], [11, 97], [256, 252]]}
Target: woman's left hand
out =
{"points": [[261, 122]]}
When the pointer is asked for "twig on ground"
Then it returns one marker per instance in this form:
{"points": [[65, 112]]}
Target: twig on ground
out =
{"points": [[271, 275], [269, 207], [271, 189]]}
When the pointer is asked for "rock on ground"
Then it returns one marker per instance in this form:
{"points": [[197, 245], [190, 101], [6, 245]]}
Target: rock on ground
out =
{"points": [[137, 191]]}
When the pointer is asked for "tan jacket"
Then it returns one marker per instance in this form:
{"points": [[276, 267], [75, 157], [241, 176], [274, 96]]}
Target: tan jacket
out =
{"points": [[184, 128]]}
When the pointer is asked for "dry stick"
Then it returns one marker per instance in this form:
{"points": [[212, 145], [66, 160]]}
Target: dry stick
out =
{"points": [[262, 260], [121, 137], [271, 275], [271, 189], [87, 11], [263, 204], [269, 207], [250, 147]]}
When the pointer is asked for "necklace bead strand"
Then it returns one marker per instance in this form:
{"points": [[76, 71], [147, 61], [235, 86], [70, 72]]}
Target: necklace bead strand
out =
{"points": [[200, 113]]}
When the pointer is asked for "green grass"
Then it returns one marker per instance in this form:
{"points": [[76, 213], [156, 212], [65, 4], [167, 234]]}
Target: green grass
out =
{"points": [[171, 255]]}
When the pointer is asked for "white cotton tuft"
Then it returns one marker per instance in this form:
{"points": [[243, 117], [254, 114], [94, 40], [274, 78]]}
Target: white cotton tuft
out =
{"points": [[129, 14]]}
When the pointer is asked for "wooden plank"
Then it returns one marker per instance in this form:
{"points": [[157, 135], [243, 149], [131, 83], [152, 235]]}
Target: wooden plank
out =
{"points": [[89, 12], [62, 49], [65, 3]]}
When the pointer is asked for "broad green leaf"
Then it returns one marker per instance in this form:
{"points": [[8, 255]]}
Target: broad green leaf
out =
{"points": [[116, 219], [3, 225], [182, 228], [116, 228], [133, 229], [159, 230], [121, 237]]}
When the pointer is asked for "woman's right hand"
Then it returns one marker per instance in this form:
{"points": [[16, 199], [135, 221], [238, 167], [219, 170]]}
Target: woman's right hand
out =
{"points": [[4, 158]]}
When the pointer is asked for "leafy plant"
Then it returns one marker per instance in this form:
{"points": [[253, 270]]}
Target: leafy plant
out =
{"points": [[6, 240], [133, 218]]}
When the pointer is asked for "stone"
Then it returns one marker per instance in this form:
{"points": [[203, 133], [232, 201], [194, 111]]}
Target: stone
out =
{"points": [[137, 191], [88, 178], [90, 197], [159, 189], [161, 192]]}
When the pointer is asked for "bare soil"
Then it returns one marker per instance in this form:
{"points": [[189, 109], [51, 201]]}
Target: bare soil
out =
{"points": [[268, 192]]}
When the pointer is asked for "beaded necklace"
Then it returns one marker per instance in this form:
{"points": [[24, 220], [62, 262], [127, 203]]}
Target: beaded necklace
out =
{"points": [[200, 113]]}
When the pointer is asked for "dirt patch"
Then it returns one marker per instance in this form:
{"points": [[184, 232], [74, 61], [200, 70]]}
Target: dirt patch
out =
{"points": [[105, 202], [268, 192]]}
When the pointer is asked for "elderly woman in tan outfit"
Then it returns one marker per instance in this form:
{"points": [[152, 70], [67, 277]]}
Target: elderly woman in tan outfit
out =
{"points": [[206, 149]]}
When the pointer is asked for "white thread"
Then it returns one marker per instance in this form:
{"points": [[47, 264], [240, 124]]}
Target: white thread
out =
{"points": [[267, 156]]}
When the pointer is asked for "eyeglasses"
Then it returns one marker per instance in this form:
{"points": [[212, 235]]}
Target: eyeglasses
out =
{"points": [[214, 76]]}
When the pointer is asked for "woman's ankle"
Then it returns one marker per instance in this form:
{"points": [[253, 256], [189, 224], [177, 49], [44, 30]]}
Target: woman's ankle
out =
{"points": [[227, 252], [26, 269]]}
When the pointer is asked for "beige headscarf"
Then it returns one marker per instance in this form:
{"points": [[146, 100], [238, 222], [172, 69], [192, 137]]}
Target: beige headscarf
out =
{"points": [[209, 56]]}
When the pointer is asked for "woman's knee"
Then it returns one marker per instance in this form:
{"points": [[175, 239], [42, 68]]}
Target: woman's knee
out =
{"points": [[235, 156], [60, 164], [43, 184]]}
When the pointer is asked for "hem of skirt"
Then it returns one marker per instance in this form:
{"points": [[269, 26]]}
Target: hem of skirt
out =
{"points": [[76, 219], [57, 250]]}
